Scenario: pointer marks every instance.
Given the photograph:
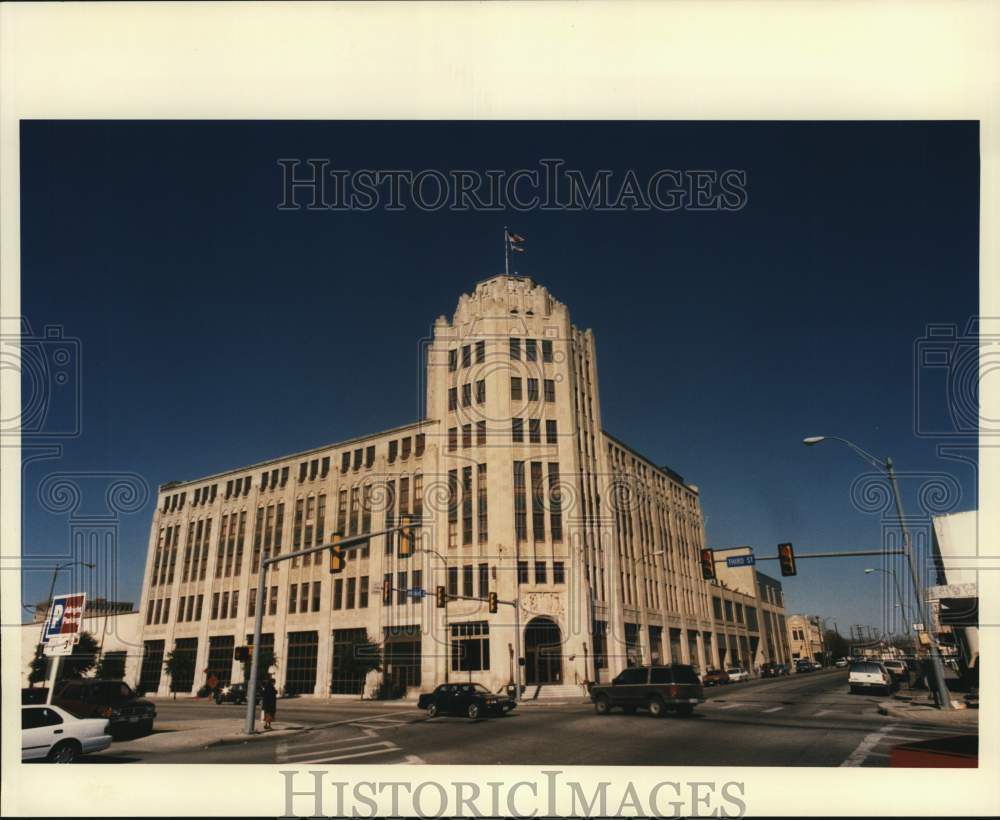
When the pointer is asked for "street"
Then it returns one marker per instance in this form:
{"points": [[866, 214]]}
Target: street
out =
{"points": [[800, 720]]}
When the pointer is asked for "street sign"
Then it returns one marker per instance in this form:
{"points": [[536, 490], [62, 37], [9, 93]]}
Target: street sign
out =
{"points": [[65, 616], [417, 593], [918, 627], [741, 561], [59, 646]]}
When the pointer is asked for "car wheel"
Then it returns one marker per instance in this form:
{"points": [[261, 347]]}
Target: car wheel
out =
{"points": [[685, 711], [66, 751], [473, 711], [655, 706], [601, 705], [432, 710], [854, 690]]}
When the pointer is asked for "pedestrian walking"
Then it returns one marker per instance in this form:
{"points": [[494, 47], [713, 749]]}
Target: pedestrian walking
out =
{"points": [[269, 702]]}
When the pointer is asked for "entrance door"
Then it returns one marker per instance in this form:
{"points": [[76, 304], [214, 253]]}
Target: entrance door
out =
{"points": [[542, 652]]}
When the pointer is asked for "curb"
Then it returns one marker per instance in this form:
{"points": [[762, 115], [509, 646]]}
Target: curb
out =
{"points": [[232, 740], [930, 715]]}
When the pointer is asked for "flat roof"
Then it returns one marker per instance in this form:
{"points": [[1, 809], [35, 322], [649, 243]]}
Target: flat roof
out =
{"points": [[672, 474]]}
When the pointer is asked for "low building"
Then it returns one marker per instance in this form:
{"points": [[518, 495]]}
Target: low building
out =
{"points": [[805, 638], [96, 607], [953, 597]]}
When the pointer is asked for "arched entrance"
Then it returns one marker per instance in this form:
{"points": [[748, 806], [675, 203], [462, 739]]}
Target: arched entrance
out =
{"points": [[542, 652]]}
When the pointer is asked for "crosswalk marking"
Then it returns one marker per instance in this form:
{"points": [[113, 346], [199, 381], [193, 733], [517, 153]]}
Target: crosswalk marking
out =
{"points": [[774, 709], [822, 712], [297, 756], [733, 705], [391, 748], [864, 748]]}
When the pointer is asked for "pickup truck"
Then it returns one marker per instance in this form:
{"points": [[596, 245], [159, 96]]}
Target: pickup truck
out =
{"points": [[657, 689]]}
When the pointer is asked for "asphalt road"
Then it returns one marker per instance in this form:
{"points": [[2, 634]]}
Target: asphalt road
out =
{"points": [[801, 720]]}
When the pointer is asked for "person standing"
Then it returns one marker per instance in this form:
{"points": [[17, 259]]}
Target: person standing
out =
{"points": [[269, 702]]}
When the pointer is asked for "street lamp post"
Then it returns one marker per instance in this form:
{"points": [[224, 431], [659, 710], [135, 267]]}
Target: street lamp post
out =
{"points": [[943, 696], [447, 637], [899, 594]]}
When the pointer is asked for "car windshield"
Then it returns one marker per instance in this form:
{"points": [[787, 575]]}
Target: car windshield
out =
{"points": [[866, 668], [111, 692]]}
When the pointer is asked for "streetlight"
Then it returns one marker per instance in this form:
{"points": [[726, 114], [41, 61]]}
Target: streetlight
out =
{"points": [[899, 594], [447, 637], [943, 696]]}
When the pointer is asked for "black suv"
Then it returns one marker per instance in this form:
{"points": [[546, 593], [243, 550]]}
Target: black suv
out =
{"points": [[111, 699], [656, 688]]}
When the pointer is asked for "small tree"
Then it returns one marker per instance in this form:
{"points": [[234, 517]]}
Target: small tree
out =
{"points": [[83, 658], [180, 667], [363, 657], [38, 667], [111, 666]]}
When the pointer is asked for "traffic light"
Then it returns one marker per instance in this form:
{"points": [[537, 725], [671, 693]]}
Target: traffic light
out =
{"points": [[337, 558], [442, 598], [708, 564], [786, 557], [492, 598], [243, 653], [405, 536], [387, 591]]}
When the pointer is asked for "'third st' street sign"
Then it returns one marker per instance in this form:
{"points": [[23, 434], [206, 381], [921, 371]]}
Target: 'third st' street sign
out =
{"points": [[417, 593], [740, 561]]}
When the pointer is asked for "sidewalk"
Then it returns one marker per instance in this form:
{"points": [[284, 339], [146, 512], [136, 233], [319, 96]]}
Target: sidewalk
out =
{"points": [[920, 708], [172, 736]]}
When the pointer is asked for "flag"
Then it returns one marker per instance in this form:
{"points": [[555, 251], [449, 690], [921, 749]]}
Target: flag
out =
{"points": [[516, 248], [514, 238]]}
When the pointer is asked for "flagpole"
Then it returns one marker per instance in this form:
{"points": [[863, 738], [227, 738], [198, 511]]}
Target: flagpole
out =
{"points": [[506, 252]]}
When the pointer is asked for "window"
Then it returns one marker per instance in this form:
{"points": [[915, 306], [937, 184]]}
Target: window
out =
{"points": [[234, 606], [352, 526], [407, 445], [522, 572], [717, 608], [550, 390], [729, 611], [537, 502], [401, 587], [480, 433], [480, 352], [197, 610], [453, 581], [284, 476], [252, 602], [466, 505], [558, 572], [546, 350], [739, 613], [481, 391], [481, 502], [541, 576], [452, 439], [470, 647], [363, 592], [304, 598], [467, 578], [215, 605], [386, 581], [36, 718], [293, 598], [370, 456], [393, 450], [338, 592], [466, 435], [302, 472], [166, 611], [515, 388], [550, 431], [421, 441], [535, 431], [313, 469], [515, 349], [466, 395], [484, 580], [517, 430], [532, 389], [520, 521], [555, 502], [352, 584], [452, 398], [452, 360], [325, 467], [357, 458], [345, 462], [190, 608], [272, 604], [530, 350]]}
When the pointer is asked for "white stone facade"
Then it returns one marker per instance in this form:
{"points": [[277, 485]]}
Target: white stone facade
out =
{"points": [[520, 493]]}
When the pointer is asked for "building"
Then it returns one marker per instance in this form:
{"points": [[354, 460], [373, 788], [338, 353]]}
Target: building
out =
{"points": [[953, 596], [520, 492], [805, 639]]}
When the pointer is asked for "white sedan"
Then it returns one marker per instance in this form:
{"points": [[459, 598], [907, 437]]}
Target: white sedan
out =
{"points": [[53, 734], [737, 675]]}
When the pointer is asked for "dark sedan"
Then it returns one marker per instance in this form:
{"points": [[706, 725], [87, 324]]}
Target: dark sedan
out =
{"points": [[473, 700]]}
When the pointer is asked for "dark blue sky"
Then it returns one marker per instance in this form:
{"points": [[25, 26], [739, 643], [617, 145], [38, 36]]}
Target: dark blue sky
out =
{"points": [[216, 330]]}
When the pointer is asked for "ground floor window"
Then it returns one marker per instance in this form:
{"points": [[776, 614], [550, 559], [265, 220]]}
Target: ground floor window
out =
{"points": [[600, 644], [152, 666], [346, 679], [470, 647], [675, 646], [655, 643], [188, 649], [300, 673], [220, 659], [401, 657], [633, 651]]}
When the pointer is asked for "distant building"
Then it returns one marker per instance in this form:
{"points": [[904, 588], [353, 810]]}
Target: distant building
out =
{"points": [[805, 638], [95, 607]]}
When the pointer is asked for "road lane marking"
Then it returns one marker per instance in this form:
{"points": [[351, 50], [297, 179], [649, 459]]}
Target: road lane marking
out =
{"points": [[867, 744], [822, 712], [392, 748], [342, 752], [732, 705], [774, 709], [323, 744]]}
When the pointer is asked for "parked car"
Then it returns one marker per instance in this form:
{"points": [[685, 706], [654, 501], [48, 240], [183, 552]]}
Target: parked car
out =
{"points": [[898, 670], [470, 699], [868, 675], [841, 663], [714, 677], [804, 665], [655, 688], [53, 734], [111, 699], [737, 675]]}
